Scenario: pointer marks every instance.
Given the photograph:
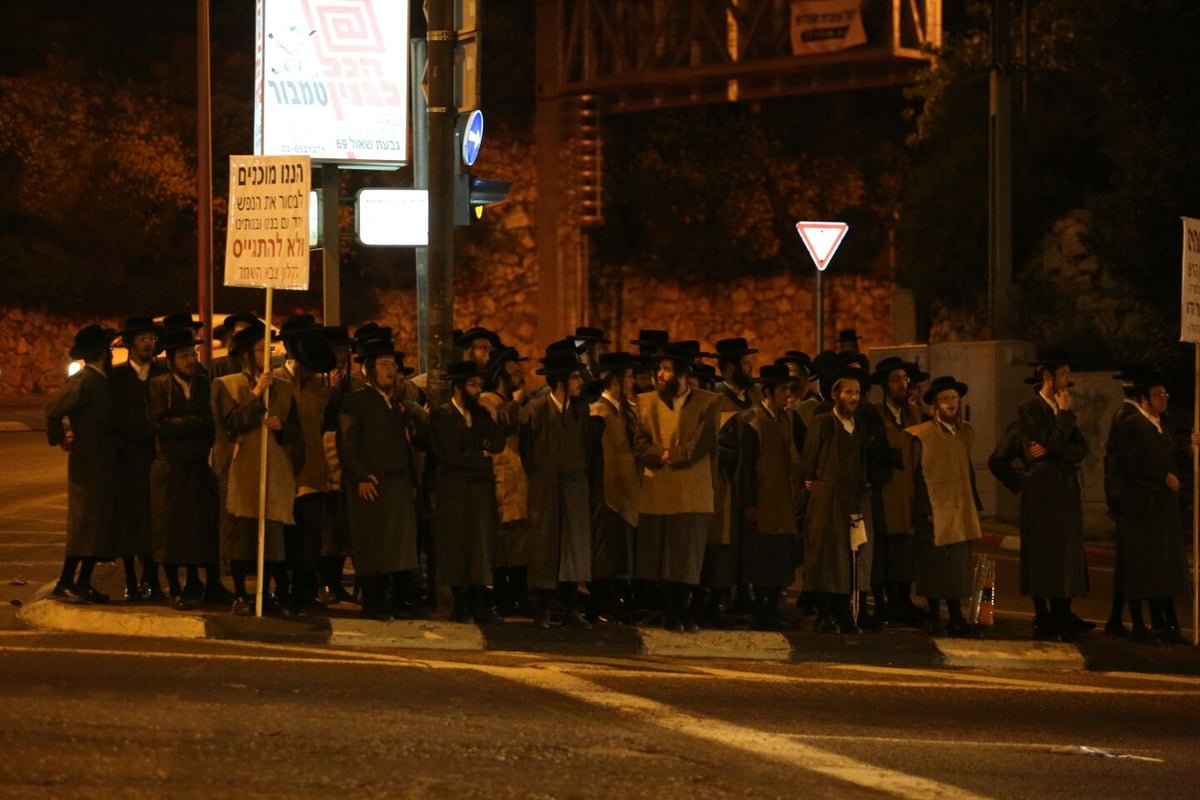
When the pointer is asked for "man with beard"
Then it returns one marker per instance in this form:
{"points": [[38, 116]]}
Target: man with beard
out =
{"points": [[309, 357], [504, 397], [379, 473], [761, 459], [86, 401], [1156, 562], [648, 343], [676, 444], [477, 345], [241, 408], [135, 454], [184, 496], [835, 474], [228, 364], [947, 507], [554, 452], [1053, 564], [736, 394], [893, 554], [615, 485], [465, 518]]}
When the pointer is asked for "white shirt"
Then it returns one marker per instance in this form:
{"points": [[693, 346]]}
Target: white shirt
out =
{"points": [[141, 370], [562, 407], [1155, 421], [612, 401], [1050, 402], [848, 424], [949, 428], [466, 417], [390, 398], [185, 385], [897, 414]]}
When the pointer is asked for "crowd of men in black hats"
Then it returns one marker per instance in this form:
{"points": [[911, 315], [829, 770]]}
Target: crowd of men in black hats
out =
{"points": [[644, 486]]}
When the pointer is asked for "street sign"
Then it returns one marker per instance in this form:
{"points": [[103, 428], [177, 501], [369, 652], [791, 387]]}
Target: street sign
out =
{"points": [[471, 133], [392, 217], [267, 243], [1189, 328], [822, 240]]}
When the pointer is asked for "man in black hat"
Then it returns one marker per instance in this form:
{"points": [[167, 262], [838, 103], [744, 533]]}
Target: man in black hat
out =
{"points": [[848, 341], [554, 451], [184, 494], [233, 323], [135, 454], [309, 357], [86, 401], [241, 408], [477, 344], [759, 454], [587, 339], [835, 474], [616, 485], [1148, 522], [504, 396], [183, 319], [1128, 376], [893, 557], [648, 343], [380, 476], [1053, 564], [947, 507], [676, 447], [736, 394], [465, 436]]}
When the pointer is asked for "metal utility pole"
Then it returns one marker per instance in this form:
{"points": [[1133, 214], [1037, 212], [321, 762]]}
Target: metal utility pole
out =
{"points": [[420, 123], [204, 224], [1000, 279], [440, 70]]}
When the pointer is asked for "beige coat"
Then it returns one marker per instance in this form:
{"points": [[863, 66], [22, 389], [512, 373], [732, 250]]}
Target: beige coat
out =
{"points": [[240, 414], [311, 399], [685, 485], [945, 464], [512, 485], [622, 481]]}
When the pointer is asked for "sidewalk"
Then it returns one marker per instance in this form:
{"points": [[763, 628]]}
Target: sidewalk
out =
{"points": [[22, 413], [1006, 645]]}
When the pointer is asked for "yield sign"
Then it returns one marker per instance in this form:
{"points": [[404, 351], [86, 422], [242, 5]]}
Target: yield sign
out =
{"points": [[822, 240]]}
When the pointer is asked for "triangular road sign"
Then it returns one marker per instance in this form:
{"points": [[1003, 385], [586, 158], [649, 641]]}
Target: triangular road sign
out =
{"points": [[822, 240]]}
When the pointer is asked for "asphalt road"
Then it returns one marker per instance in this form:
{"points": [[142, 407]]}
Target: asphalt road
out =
{"points": [[132, 718]]}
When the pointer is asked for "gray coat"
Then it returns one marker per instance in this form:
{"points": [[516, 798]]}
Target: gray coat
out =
{"points": [[554, 452], [86, 401], [135, 454]]}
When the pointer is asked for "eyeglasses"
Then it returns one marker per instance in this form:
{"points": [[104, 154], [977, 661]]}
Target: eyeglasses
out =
{"points": [[475, 384], [1157, 395]]}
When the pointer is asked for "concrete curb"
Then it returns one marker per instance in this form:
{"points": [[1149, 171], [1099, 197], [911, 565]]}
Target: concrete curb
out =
{"points": [[1096, 554], [898, 649], [8, 426]]}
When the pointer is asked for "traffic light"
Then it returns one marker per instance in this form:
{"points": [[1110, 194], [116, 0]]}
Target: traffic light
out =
{"points": [[471, 194]]}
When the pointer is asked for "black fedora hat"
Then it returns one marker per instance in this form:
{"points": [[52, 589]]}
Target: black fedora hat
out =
{"points": [[498, 359], [848, 335], [822, 363], [247, 337], [618, 361], [693, 346], [565, 345], [296, 323], [478, 332], [310, 347], [797, 357], [941, 384], [462, 371], [845, 370], [181, 320], [90, 342], [673, 352], [704, 372], [558, 364], [592, 335], [368, 332], [886, 367], [231, 320], [1148, 379], [651, 337], [378, 347], [178, 337], [135, 325], [401, 367], [773, 375], [734, 348], [219, 332], [915, 373]]}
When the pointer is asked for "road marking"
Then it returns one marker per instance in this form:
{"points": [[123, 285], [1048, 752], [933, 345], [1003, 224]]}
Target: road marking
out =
{"points": [[31, 532], [951, 743], [1024, 684]]}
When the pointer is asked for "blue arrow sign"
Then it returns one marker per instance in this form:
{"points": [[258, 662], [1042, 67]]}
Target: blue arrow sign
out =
{"points": [[472, 136]]}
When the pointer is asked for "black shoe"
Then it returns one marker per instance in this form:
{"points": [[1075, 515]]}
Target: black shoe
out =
{"points": [[94, 595], [183, 603], [868, 621], [194, 589], [1170, 635], [690, 626], [674, 627], [937, 628], [486, 615], [542, 619], [274, 606], [152, 592], [69, 593], [407, 610], [243, 607], [827, 625], [1143, 635], [327, 597], [574, 619], [376, 614], [134, 596], [961, 629], [1114, 627], [1044, 630], [1077, 624], [847, 626]]}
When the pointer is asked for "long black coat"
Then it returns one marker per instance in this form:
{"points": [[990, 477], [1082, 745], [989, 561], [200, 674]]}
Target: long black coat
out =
{"points": [[465, 517], [86, 401], [1053, 563], [835, 461], [183, 488], [135, 454], [1149, 522], [374, 441], [554, 452]]}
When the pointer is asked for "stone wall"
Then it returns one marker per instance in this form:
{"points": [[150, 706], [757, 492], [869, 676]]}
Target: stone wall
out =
{"points": [[33, 349]]}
